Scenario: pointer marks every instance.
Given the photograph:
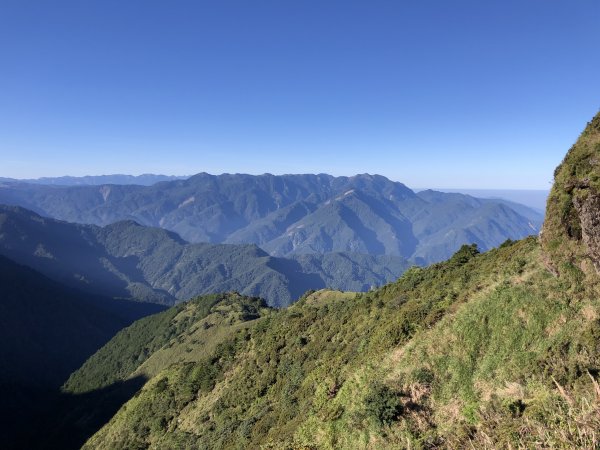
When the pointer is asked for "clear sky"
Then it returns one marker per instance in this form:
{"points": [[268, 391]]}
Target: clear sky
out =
{"points": [[469, 94]]}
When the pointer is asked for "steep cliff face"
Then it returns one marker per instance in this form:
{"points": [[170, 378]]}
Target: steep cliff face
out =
{"points": [[588, 209], [571, 233]]}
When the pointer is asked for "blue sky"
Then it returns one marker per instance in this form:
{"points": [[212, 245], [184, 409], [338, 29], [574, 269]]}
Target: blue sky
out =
{"points": [[465, 94]]}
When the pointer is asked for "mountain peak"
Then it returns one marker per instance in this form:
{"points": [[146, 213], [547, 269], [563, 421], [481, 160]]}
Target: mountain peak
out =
{"points": [[571, 232]]}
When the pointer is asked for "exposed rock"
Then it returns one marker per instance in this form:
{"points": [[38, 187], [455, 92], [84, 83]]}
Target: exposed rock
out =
{"points": [[588, 209], [570, 235]]}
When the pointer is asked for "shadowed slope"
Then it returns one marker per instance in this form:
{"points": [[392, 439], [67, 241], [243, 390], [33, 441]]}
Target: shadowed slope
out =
{"points": [[47, 330]]}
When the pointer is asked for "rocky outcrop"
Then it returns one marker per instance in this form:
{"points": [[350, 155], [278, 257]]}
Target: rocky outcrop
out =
{"points": [[570, 236], [588, 211]]}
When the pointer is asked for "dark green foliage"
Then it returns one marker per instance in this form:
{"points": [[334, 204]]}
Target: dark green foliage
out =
{"points": [[464, 254], [202, 377], [125, 352], [423, 376], [132, 346], [383, 404]]}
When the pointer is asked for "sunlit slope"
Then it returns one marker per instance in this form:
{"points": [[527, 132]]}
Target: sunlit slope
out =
{"points": [[426, 360], [493, 350], [571, 232]]}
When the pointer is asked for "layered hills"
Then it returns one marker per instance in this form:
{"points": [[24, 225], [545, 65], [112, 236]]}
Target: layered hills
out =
{"points": [[146, 179], [292, 214], [130, 261], [486, 350]]}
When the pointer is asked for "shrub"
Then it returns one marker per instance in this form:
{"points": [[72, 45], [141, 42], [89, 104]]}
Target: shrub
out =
{"points": [[383, 404]]}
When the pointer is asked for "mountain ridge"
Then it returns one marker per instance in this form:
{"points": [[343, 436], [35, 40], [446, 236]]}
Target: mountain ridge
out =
{"points": [[291, 214], [128, 260], [146, 179]]}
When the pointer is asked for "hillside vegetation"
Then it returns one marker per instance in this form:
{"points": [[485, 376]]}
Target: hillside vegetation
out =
{"points": [[571, 234], [485, 350], [186, 332]]}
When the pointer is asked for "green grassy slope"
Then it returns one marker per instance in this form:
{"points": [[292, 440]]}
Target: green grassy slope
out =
{"points": [[189, 332], [570, 227], [425, 360], [485, 350]]}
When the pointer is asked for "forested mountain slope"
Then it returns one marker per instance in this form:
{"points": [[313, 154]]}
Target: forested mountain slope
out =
{"points": [[188, 332], [292, 214], [127, 260]]}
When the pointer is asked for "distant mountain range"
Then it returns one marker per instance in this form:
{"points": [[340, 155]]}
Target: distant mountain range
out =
{"points": [[146, 179], [293, 214], [127, 260], [534, 198]]}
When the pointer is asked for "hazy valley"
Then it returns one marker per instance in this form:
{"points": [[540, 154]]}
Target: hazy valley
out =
{"points": [[349, 234], [299, 225], [463, 352]]}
